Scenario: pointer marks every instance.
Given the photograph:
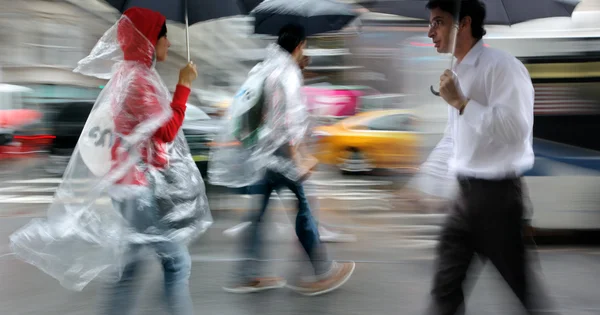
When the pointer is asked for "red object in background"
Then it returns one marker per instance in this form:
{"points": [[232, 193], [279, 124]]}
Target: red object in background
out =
{"points": [[22, 146], [25, 146], [15, 118], [332, 101]]}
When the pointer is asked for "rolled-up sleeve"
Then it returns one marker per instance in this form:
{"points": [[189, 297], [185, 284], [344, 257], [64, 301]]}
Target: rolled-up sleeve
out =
{"points": [[509, 115]]}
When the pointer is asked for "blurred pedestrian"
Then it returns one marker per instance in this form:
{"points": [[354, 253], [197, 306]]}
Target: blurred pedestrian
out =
{"points": [[325, 234], [285, 125], [145, 48], [489, 138], [132, 152]]}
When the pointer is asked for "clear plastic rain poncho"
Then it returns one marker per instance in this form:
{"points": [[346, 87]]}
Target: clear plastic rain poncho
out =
{"points": [[434, 177], [286, 123], [121, 186]]}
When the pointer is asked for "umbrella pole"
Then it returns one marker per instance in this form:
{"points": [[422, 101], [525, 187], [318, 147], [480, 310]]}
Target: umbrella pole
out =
{"points": [[455, 33], [454, 37], [187, 30]]}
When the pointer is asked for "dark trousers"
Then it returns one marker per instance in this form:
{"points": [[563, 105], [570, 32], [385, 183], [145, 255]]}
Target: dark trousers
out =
{"points": [[485, 219]]}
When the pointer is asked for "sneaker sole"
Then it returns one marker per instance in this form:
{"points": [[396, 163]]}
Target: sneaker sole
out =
{"points": [[341, 283], [338, 239], [236, 230], [295, 288], [243, 290]]}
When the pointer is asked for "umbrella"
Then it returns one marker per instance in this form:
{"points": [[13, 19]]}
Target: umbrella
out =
{"points": [[188, 12], [248, 5], [499, 12], [317, 16]]}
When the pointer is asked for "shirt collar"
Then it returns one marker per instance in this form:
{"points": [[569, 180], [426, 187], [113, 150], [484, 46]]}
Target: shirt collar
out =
{"points": [[473, 54]]}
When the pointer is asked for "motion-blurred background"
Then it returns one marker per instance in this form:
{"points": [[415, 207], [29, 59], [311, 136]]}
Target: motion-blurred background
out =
{"points": [[367, 87]]}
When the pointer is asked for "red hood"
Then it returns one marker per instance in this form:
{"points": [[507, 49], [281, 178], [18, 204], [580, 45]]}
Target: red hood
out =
{"points": [[143, 22]]}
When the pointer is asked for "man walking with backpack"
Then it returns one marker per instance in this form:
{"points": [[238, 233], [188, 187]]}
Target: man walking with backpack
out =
{"points": [[276, 149], [325, 234]]}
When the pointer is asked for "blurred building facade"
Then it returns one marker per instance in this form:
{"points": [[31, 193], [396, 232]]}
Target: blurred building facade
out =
{"points": [[41, 42]]}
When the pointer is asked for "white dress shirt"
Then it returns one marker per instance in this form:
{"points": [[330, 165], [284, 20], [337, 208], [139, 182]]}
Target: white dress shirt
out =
{"points": [[492, 139]]}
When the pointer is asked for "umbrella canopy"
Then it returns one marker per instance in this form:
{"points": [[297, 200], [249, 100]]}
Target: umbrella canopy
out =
{"points": [[498, 12], [317, 16], [184, 11], [175, 10], [248, 5]]}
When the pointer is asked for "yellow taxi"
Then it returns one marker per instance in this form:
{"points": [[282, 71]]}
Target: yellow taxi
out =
{"points": [[386, 139]]}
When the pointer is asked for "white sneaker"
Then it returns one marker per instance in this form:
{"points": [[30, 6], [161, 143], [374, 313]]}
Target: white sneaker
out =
{"points": [[237, 229], [257, 285], [281, 229], [328, 236], [284, 229]]}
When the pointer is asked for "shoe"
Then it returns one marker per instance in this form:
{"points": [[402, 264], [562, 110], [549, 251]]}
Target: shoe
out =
{"points": [[283, 229], [339, 274], [236, 230], [327, 236], [257, 285]]}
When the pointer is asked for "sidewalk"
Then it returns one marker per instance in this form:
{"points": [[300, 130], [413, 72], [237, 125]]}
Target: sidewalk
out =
{"points": [[389, 284]]}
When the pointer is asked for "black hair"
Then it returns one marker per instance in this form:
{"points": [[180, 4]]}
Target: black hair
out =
{"points": [[291, 36], [163, 31], [472, 8]]}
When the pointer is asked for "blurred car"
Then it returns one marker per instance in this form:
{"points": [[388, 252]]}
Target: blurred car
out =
{"points": [[67, 127], [198, 127], [6, 136], [22, 129], [200, 130], [368, 141]]}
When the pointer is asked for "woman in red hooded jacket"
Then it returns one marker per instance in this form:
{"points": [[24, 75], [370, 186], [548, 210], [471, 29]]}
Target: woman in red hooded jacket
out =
{"points": [[153, 26], [138, 106]]}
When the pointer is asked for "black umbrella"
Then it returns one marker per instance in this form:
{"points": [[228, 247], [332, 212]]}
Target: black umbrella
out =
{"points": [[316, 16], [248, 5], [498, 12], [187, 12]]}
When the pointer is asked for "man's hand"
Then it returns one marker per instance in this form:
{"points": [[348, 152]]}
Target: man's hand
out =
{"points": [[304, 62], [305, 162], [307, 166], [450, 90]]}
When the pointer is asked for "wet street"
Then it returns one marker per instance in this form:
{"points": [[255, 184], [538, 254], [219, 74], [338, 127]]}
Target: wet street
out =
{"points": [[389, 279], [375, 63], [394, 251]]}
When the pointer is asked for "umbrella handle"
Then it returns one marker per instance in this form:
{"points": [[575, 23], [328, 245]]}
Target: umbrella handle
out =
{"points": [[454, 33], [187, 30]]}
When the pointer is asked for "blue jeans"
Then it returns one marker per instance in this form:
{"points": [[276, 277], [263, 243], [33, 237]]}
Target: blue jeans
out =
{"points": [[258, 189], [175, 259], [306, 229]]}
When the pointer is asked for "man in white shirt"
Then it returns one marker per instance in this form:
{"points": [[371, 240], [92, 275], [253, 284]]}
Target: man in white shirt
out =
{"points": [[490, 127]]}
